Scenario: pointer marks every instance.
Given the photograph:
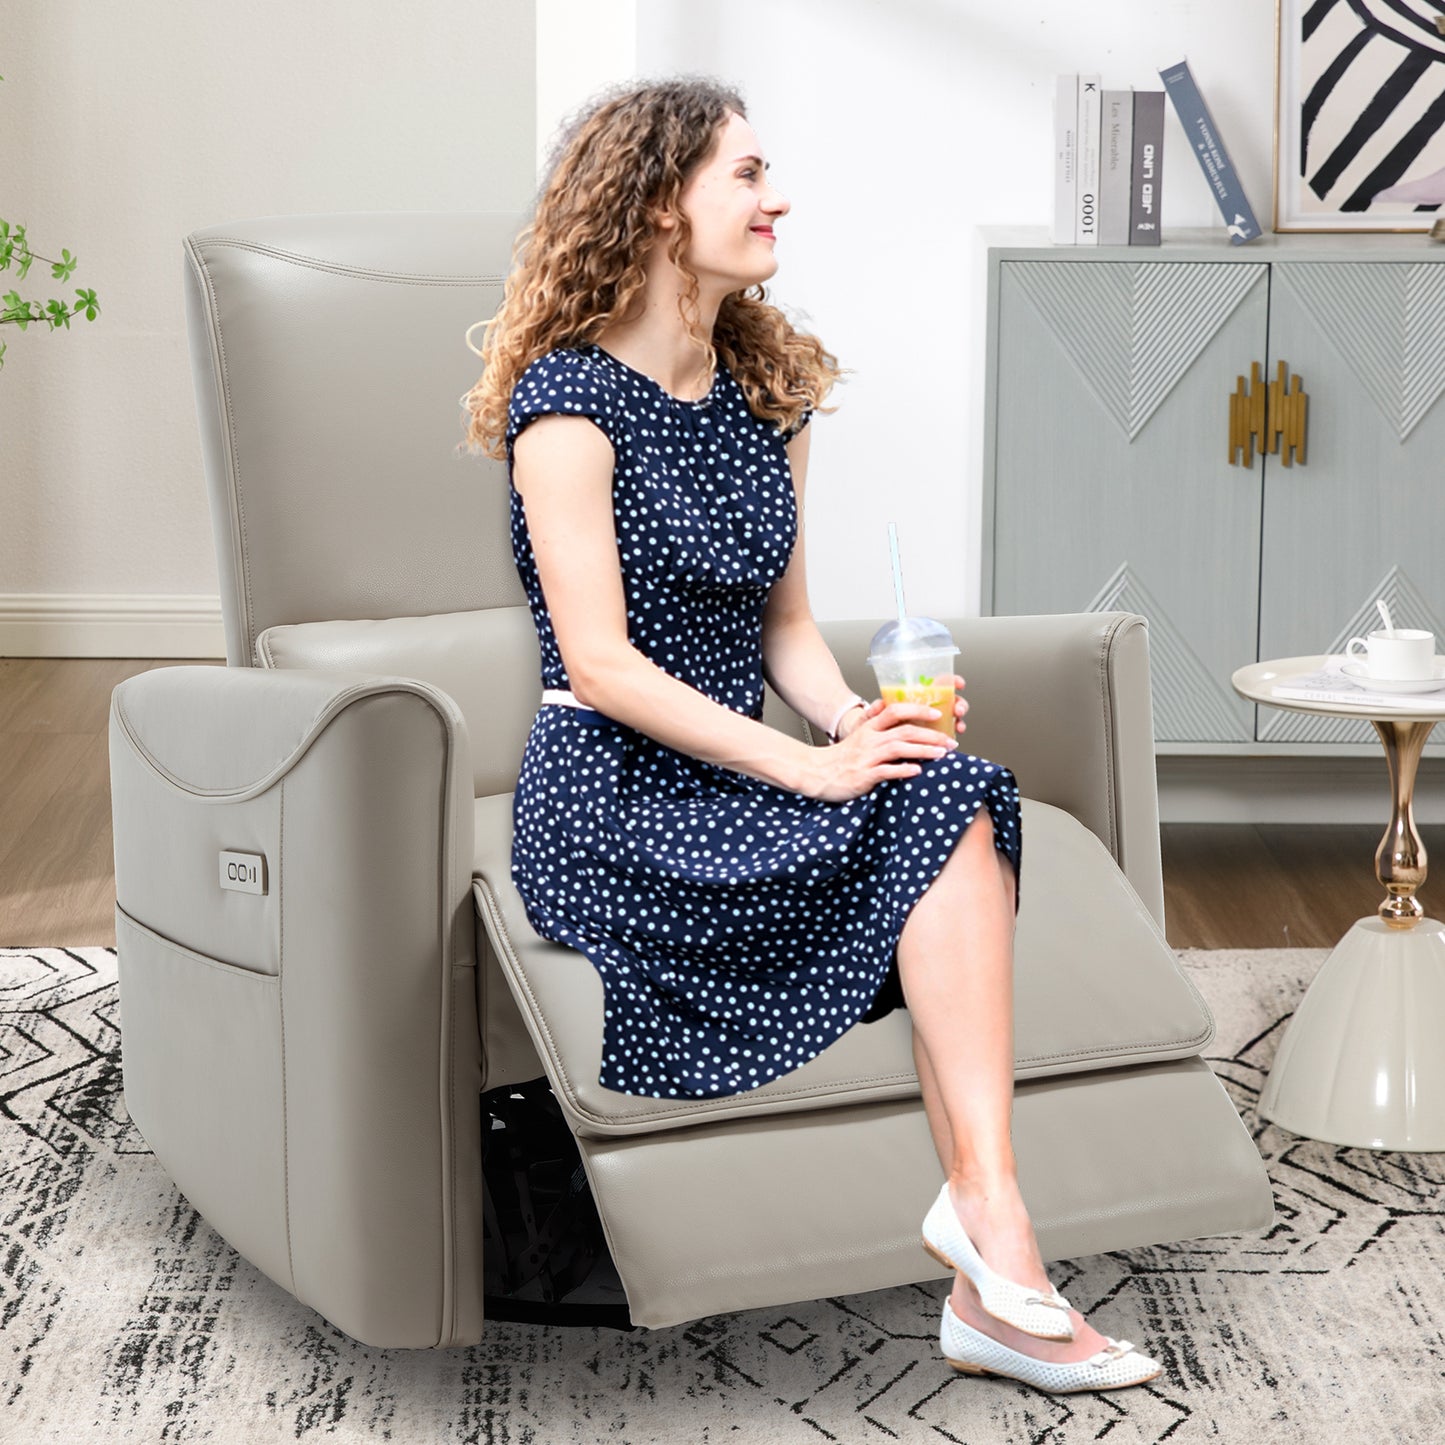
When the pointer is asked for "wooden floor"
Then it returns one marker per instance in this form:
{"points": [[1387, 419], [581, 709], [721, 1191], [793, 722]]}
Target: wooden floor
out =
{"points": [[1225, 886]]}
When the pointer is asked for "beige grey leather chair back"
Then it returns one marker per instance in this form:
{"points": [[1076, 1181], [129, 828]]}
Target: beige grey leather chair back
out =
{"points": [[328, 379]]}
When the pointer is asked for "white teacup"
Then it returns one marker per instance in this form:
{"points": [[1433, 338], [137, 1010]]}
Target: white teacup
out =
{"points": [[1398, 656]]}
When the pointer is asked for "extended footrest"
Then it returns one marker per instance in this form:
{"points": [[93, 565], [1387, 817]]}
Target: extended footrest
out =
{"points": [[758, 1212]]}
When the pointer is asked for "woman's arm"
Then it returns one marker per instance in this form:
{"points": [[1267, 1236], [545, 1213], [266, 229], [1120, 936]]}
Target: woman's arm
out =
{"points": [[797, 664], [562, 469]]}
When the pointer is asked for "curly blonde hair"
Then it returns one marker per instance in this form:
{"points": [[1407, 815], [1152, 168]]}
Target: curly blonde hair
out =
{"points": [[579, 264]]}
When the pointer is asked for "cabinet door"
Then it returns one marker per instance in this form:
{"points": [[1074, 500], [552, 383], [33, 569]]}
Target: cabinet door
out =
{"points": [[1112, 483], [1364, 517]]}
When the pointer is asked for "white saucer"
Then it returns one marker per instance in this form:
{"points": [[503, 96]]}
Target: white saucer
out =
{"points": [[1355, 671]]}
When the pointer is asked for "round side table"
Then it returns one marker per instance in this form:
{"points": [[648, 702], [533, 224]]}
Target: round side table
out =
{"points": [[1363, 1059]]}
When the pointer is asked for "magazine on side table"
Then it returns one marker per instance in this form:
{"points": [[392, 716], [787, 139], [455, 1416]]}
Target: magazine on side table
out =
{"points": [[1330, 684]]}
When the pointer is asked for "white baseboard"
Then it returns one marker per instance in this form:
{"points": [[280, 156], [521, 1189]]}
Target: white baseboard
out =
{"points": [[97, 624], [1292, 790]]}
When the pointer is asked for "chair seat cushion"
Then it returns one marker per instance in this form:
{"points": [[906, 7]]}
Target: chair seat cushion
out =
{"points": [[1096, 985]]}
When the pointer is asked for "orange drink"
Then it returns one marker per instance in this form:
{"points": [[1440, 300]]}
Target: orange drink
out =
{"points": [[932, 694], [912, 658]]}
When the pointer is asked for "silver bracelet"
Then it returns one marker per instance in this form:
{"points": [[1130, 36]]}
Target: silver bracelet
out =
{"points": [[854, 701]]}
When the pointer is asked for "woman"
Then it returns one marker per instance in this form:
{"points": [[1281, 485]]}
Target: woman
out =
{"points": [[745, 898]]}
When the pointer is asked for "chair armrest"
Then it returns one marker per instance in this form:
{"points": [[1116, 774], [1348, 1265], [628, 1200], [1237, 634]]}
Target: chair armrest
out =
{"points": [[486, 661], [303, 1055], [1063, 700]]}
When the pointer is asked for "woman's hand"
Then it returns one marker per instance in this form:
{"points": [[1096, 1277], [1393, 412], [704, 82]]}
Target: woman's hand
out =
{"points": [[880, 741]]}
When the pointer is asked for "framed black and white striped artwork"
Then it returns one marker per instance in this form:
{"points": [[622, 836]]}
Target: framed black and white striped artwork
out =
{"points": [[1359, 139]]}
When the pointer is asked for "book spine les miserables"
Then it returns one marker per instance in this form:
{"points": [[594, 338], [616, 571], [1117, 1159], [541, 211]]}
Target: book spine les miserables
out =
{"points": [[1148, 168], [1066, 158], [1208, 147], [1116, 160], [1086, 229]]}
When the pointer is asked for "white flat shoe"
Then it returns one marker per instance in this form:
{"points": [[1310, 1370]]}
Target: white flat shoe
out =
{"points": [[1118, 1364], [1045, 1316]]}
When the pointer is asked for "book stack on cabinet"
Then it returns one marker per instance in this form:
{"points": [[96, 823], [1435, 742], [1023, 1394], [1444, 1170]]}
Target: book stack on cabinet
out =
{"points": [[1109, 161], [1108, 164]]}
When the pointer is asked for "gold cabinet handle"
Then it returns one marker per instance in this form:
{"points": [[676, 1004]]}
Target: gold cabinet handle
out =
{"points": [[1288, 406], [1280, 430], [1246, 418]]}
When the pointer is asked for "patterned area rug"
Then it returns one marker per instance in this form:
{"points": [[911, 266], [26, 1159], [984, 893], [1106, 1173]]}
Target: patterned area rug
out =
{"points": [[124, 1317]]}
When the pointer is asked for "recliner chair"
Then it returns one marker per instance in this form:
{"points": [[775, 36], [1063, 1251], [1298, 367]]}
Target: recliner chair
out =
{"points": [[323, 961]]}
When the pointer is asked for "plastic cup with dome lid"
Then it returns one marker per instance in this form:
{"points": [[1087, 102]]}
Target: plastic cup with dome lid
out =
{"points": [[912, 658]]}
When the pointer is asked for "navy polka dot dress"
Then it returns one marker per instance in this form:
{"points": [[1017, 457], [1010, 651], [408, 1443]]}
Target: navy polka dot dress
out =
{"points": [[739, 928]]}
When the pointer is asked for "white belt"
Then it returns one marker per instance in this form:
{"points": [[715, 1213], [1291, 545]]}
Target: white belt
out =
{"points": [[585, 714]]}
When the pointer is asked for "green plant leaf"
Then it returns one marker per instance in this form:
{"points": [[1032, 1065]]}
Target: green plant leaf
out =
{"points": [[16, 310]]}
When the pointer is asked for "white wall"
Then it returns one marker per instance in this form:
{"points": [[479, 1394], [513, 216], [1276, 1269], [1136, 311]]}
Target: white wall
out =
{"points": [[582, 45], [123, 128], [896, 127]]}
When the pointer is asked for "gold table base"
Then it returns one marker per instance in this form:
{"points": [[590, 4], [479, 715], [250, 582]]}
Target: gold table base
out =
{"points": [[1361, 1062], [1400, 859]]}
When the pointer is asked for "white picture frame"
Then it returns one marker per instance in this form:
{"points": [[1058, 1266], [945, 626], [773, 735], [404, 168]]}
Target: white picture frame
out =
{"points": [[1359, 113]]}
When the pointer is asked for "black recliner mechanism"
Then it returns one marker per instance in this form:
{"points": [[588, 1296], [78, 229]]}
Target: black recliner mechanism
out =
{"points": [[544, 1254]]}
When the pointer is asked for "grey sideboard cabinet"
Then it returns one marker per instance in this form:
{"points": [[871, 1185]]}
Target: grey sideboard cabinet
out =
{"points": [[1133, 459]]}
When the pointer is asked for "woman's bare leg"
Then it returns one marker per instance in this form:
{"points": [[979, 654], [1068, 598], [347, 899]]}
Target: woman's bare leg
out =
{"points": [[955, 961], [938, 1124]]}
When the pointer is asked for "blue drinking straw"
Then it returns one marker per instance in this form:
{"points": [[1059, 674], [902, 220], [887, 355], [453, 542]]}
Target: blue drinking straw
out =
{"points": [[897, 569]]}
